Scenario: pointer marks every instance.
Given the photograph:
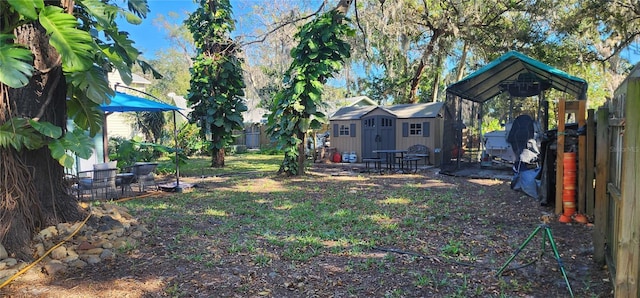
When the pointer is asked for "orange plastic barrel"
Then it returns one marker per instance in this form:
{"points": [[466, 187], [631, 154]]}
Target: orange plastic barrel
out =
{"points": [[571, 175], [569, 205], [564, 219]]}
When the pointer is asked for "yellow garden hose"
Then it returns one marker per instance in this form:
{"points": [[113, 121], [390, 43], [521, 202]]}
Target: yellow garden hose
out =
{"points": [[25, 269]]}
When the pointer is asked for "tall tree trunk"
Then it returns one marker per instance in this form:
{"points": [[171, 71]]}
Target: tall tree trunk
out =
{"points": [[463, 58], [428, 51], [217, 155], [342, 7], [436, 80], [217, 158], [20, 213], [302, 156], [33, 190]]}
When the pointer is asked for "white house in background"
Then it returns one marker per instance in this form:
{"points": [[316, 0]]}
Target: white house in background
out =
{"points": [[180, 102], [118, 124]]}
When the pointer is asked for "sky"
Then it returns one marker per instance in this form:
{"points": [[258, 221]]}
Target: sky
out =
{"points": [[148, 37]]}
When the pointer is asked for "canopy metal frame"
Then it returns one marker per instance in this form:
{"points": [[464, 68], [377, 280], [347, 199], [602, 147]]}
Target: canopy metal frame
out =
{"points": [[154, 106], [515, 70]]}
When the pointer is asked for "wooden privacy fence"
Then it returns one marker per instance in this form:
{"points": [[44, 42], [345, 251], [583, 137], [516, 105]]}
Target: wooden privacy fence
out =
{"points": [[616, 236]]}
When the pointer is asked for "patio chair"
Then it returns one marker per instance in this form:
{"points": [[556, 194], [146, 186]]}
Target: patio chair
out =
{"points": [[72, 183], [418, 151], [101, 180], [143, 173]]}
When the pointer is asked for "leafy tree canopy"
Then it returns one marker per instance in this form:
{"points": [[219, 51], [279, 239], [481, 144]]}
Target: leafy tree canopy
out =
{"points": [[216, 76], [319, 55]]}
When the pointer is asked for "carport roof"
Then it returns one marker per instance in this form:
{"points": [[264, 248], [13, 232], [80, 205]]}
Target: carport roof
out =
{"points": [[492, 79]]}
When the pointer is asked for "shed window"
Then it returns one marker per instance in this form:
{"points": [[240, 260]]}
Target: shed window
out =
{"points": [[415, 129], [344, 130]]}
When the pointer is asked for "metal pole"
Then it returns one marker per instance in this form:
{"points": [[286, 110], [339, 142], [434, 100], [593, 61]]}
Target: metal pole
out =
{"points": [[459, 134], [480, 118], [175, 137], [557, 257], [510, 108], [105, 140], [513, 256]]}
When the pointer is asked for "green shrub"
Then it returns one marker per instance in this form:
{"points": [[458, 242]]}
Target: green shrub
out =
{"points": [[271, 151], [128, 152], [235, 149], [190, 141]]}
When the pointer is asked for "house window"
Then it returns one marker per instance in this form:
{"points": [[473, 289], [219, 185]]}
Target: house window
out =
{"points": [[415, 129], [344, 130]]}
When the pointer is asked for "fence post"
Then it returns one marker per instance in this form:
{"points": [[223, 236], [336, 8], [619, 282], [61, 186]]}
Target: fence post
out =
{"points": [[628, 239], [560, 154], [590, 162], [582, 158], [601, 197]]}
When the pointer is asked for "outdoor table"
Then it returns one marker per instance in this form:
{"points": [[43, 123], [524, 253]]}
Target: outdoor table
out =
{"points": [[391, 155], [124, 180]]}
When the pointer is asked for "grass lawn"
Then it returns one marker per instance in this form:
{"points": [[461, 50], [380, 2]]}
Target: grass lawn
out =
{"points": [[243, 231], [354, 234]]}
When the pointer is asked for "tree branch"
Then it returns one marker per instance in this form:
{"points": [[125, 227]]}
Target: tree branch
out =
{"points": [[364, 34], [343, 6], [52, 89], [264, 36], [623, 44]]}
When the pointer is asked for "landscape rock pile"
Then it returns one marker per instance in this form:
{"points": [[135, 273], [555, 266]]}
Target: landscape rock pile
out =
{"points": [[110, 230]]}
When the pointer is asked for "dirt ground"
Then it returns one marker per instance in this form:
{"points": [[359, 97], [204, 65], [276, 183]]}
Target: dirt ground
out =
{"points": [[152, 270]]}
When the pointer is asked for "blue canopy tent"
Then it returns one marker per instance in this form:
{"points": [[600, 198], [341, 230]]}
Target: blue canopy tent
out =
{"points": [[122, 102]]}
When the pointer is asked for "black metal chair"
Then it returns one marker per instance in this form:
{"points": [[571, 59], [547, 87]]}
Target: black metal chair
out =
{"points": [[101, 180], [143, 173]]}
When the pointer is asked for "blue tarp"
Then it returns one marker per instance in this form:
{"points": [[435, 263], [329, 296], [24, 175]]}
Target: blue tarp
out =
{"points": [[526, 182], [122, 102]]}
